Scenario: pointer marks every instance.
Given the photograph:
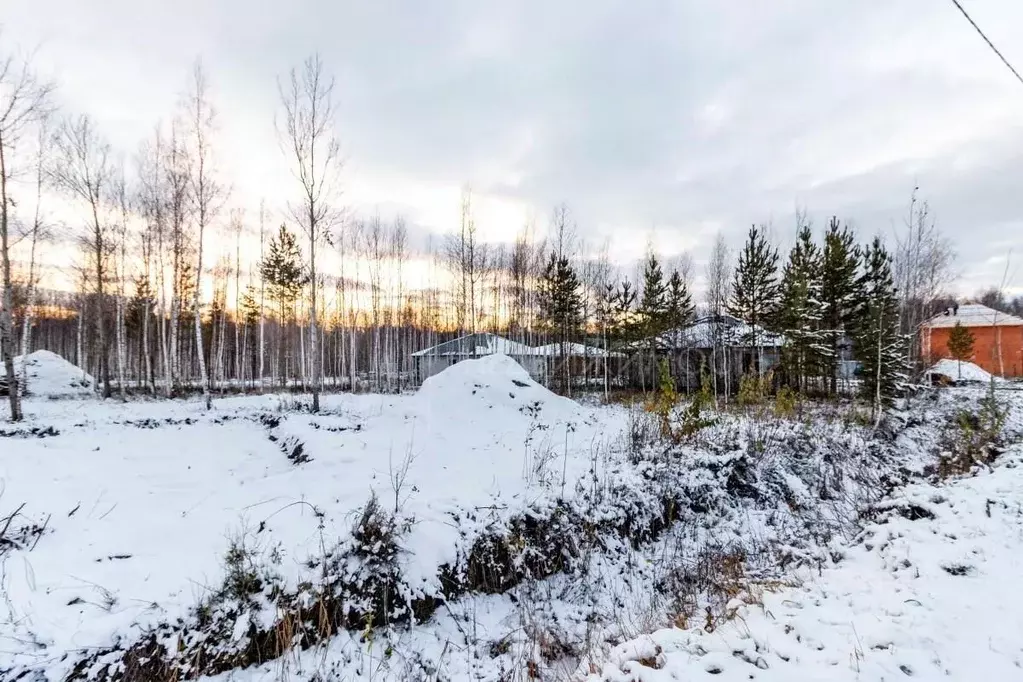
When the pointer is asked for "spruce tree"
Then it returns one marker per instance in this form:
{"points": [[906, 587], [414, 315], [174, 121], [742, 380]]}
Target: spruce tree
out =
{"points": [[880, 347], [839, 295], [960, 345], [678, 308], [626, 327], [653, 306], [561, 304], [284, 273], [755, 287], [679, 311], [283, 270], [801, 310]]}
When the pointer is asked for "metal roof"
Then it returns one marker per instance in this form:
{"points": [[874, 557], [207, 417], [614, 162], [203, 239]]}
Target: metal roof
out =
{"points": [[725, 329], [973, 315], [481, 343]]}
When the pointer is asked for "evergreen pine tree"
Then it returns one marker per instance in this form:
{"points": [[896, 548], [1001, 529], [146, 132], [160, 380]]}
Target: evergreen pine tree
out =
{"points": [[800, 312], [283, 270], [653, 306], [839, 295], [755, 287], [250, 306], [678, 314], [880, 347], [284, 273], [626, 326], [960, 345], [560, 299], [679, 308]]}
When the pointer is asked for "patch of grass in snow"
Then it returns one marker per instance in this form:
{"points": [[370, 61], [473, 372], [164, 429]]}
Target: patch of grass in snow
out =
{"points": [[32, 432], [18, 532], [975, 437]]}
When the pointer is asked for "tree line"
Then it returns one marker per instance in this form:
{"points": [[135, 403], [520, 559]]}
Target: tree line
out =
{"points": [[171, 295]]}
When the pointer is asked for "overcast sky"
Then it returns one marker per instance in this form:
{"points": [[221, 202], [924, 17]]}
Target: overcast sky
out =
{"points": [[666, 120]]}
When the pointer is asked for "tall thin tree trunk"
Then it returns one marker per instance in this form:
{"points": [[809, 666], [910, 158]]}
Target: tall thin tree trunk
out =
{"points": [[80, 336], [197, 317], [7, 310], [147, 359], [30, 303], [262, 295], [121, 346]]}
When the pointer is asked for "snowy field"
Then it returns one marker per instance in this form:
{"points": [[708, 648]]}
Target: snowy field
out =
{"points": [[140, 501], [125, 513]]}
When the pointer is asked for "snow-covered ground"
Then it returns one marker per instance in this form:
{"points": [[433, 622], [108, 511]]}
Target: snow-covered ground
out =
{"points": [[926, 594], [138, 503]]}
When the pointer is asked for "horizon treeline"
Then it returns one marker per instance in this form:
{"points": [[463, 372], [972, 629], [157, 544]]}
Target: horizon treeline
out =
{"points": [[328, 301]]}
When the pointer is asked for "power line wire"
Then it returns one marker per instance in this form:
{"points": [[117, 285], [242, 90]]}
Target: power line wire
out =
{"points": [[986, 40]]}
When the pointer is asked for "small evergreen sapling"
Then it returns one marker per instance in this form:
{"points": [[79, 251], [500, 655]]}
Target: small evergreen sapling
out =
{"points": [[561, 304], [960, 345]]}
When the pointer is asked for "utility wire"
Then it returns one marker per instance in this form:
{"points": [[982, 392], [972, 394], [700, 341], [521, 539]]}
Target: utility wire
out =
{"points": [[986, 40]]}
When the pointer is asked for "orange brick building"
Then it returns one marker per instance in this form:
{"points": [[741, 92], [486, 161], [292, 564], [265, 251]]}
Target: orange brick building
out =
{"points": [[997, 338]]}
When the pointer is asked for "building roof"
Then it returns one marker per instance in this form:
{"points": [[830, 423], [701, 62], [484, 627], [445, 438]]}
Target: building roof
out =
{"points": [[973, 315], [576, 349], [725, 329], [482, 343]]}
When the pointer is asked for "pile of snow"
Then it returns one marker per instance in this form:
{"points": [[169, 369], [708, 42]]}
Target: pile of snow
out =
{"points": [[50, 375], [494, 381], [955, 370]]}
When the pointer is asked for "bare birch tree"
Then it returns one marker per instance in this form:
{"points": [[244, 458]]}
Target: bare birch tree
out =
{"points": [[923, 267], [153, 203], [24, 99], [719, 274], [262, 293], [466, 258], [237, 227], [177, 173], [121, 244], [307, 131], [38, 231], [84, 171], [207, 195]]}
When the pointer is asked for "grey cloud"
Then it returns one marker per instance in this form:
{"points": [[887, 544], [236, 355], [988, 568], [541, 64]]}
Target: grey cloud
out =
{"points": [[680, 116]]}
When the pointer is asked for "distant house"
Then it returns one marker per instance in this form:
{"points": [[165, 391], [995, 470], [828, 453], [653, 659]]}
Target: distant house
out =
{"points": [[736, 347], [724, 331], [576, 350], [997, 338], [586, 364], [430, 361]]}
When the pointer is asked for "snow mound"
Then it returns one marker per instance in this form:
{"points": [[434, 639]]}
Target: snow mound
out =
{"points": [[493, 381], [50, 375], [952, 368]]}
